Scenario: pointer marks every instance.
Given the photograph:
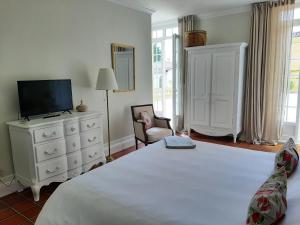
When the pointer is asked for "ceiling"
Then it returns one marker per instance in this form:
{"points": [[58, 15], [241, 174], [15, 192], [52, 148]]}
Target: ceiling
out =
{"points": [[164, 10]]}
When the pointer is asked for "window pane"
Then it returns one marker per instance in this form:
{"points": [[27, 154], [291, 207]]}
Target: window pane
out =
{"points": [[175, 30], [295, 51], [294, 68], [157, 48], [159, 33], [169, 32], [153, 34], [296, 29], [297, 13], [168, 53], [292, 99], [293, 85], [293, 80], [291, 115]]}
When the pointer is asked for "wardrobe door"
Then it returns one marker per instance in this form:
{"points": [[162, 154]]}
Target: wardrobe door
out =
{"points": [[200, 81], [223, 70]]}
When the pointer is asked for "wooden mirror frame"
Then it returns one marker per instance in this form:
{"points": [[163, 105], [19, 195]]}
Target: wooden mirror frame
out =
{"points": [[113, 47]]}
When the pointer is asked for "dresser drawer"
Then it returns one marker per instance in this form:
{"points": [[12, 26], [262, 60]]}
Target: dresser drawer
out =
{"points": [[75, 172], [88, 166], [92, 153], [50, 150], [91, 137], [48, 133], [52, 168], [90, 124], [71, 128], [74, 160], [73, 143]]}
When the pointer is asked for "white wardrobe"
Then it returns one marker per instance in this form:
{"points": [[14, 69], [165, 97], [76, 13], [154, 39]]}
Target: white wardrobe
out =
{"points": [[215, 85]]}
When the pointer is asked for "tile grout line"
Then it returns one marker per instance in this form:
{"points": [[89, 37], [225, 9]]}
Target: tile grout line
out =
{"points": [[18, 213], [35, 203]]}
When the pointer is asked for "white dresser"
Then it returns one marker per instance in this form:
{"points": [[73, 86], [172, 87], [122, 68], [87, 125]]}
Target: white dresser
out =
{"points": [[55, 149], [215, 86]]}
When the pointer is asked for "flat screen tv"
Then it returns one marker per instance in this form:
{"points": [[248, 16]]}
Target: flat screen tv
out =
{"points": [[38, 97]]}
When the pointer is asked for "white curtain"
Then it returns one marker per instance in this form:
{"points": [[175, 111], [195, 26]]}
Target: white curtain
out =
{"points": [[267, 71], [185, 24]]}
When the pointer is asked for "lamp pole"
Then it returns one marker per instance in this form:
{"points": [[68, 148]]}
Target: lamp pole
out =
{"points": [[107, 81], [109, 157]]}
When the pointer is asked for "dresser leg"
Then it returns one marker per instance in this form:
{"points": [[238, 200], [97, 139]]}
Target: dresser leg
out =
{"points": [[20, 187], [36, 192], [234, 138]]}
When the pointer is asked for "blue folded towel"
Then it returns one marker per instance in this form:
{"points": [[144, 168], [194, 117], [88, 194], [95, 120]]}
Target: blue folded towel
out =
{"points": [[176, 142]]}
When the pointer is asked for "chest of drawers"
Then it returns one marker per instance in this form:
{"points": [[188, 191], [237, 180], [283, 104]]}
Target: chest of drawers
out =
{"points": [[56, 149]]}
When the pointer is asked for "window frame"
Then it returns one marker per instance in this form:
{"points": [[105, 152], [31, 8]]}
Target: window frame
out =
{"points": [[292, 128], [161, 40], [286, 106]]}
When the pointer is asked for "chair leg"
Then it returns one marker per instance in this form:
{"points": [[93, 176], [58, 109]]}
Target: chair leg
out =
{"points": [[136, 144]]}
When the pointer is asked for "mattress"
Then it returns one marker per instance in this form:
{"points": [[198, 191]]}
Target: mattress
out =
{"points": [[209, 185]]}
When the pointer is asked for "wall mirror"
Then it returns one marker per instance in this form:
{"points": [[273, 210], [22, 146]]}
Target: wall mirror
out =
{"points": [[123, 64]]}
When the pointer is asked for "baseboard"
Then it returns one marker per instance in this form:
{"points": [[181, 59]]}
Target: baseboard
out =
{"points": [[120, 144], [8, 186]]}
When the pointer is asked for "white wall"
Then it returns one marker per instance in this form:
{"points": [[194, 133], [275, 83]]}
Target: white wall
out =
{"points": [[52, 39], [227, 28]]}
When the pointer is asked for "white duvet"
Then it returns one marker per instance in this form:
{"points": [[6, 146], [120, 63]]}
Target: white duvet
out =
{"points": [[209, 185]]}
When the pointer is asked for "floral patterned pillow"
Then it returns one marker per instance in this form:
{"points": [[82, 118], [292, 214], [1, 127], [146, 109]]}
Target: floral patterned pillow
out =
{"points": [[287, 157], [290, 144], [146, 118], [268, 205]]}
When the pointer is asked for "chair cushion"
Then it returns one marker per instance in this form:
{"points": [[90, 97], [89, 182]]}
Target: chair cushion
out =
{"points": [[157, 133], [287, 157], [138, 109], [146, 118], [268, 205]]}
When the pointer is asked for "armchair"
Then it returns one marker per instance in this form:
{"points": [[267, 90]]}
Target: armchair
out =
{"points": [[160, 126]]}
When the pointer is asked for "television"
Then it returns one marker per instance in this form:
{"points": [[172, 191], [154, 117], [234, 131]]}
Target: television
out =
{"points": [[38, 97]]}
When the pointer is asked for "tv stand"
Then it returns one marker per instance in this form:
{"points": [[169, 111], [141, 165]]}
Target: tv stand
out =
{"points": [[50, 116]]}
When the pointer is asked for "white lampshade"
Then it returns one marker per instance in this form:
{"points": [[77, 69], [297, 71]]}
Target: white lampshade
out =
{"points": [[106, 79]]}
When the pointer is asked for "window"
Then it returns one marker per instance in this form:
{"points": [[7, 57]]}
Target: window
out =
{"points": [[290, 112], [293, 79], [162, 56]]}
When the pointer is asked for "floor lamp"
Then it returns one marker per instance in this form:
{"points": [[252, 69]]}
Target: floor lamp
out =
{"points": [[107, 81]]}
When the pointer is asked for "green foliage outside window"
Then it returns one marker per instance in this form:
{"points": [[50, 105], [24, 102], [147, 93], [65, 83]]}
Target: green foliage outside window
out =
{"points": [[156, 53], [293, 85]]}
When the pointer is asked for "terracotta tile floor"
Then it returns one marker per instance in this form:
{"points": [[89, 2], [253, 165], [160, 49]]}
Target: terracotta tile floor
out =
{"points": [[20, 209]]}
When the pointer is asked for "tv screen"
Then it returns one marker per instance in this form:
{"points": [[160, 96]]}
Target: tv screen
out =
{"points": [[44, 96]]}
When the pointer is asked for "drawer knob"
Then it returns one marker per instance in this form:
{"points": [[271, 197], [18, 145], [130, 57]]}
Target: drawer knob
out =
{"points": [[90, 126], [73, 129], [75, 161], [51, 153], [49, 135], [54, 170], [92, 156], [74, 144], [92, 140]]}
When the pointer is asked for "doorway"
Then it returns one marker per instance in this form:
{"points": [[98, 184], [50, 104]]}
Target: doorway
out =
{"points": [[165, 42]]}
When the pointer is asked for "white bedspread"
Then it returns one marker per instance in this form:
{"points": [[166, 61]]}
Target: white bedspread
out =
{"points": [[209, 185]]}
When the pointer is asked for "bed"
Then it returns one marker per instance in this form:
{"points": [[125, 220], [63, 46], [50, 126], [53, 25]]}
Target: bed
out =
{"points": [[209, 185]]}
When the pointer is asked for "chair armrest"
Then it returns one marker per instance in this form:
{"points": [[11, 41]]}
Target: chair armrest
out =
{"points": [[162, 122], [163, 118], [140, 130]]}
